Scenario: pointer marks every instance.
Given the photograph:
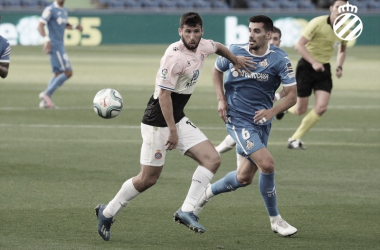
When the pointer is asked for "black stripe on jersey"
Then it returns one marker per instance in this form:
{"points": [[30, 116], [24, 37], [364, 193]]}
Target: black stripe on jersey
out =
{"points": [[153, 115]]}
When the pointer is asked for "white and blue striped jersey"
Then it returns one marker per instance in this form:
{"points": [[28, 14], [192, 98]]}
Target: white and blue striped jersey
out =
{"points": [[5, 50], [56, 18], [254, 91]]}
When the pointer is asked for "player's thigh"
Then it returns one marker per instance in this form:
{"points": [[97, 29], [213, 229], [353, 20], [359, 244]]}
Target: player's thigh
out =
{"points": [[246, 171], [153, 152], [263, 160], [189, 135]]}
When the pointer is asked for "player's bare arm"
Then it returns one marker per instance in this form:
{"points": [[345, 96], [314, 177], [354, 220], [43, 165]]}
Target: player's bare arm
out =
{"points": [[341, 56], [47, 44], [4, 67], [166, 105], [287, 102], [74, 27], [217, 80], [239, 62], [301, 48]]}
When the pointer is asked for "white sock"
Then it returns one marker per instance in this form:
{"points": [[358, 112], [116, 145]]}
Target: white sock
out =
{"points": [[201, 178], [227, 144], [273, 219], [126, 193]]}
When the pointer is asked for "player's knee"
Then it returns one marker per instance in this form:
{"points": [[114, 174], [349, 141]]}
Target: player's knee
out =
{"points": [[267, 166], [69, 73], [212, 163], [320, 110], [244, 179]]}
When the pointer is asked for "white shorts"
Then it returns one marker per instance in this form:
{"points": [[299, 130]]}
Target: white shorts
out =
{"points": [[153, 150]]}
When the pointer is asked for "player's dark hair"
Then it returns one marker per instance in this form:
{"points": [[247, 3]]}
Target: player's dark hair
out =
{"points": [[268, 23], [277, 30], [332, 2], [191, 19]]}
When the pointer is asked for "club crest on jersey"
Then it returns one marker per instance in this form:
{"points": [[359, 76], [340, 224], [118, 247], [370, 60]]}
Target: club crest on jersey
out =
{"points": [[264, 63], [164, 73], [175, 48], [249, 144], [193, 80], [158, 154]]}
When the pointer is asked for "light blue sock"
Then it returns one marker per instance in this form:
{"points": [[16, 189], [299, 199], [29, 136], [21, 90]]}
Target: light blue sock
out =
{"points": [[51, 80], [268, 192], [57, 82], [227, 184]]}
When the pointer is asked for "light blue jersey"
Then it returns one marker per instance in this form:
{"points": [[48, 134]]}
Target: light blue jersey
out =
{"points": [[56, 18], [5, 50], [248, 93]]}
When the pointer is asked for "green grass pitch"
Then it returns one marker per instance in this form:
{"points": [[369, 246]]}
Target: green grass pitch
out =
{"points": [[56, 165]]}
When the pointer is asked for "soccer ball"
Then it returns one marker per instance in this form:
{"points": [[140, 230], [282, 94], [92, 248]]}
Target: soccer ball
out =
{"points": [[108, 103]]}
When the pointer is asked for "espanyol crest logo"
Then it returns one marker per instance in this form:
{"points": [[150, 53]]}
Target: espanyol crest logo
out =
{"points": [[348, 26]]}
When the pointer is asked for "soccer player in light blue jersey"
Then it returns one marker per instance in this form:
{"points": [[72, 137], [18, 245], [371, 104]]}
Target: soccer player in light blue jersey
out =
{"points": [[56, 18], [246, 106], [5, 54]]}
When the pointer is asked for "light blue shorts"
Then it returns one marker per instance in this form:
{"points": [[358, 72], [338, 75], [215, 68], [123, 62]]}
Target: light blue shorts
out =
{"points": [[59, 60]]}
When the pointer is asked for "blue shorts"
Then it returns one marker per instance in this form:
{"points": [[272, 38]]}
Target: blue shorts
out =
{"points": [[59, 60], [249, 137]]}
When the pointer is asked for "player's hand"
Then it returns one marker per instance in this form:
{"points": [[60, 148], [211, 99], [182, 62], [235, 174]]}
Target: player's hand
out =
{"points": [[339, 72], [262, 116], [245, 63], [47, 47], [222, 110], [80, 27], [172, 141], [318, 67]]}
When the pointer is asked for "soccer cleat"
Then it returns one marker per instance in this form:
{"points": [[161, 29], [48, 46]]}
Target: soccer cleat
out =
{"points": [[104, 224], [190, 220], [48, 102], [202, 202], [295, 144], [283, 228], [279, 116]]}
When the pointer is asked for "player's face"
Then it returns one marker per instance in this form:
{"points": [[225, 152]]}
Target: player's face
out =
{"points": [[334, 10], [275, 39], [191, 36], [258, 37]]}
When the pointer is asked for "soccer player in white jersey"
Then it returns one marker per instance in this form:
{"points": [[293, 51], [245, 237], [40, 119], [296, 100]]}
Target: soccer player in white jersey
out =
{"points": [[246, 106], [5, 54], [228, 143], [56, 18], [165, 127]]}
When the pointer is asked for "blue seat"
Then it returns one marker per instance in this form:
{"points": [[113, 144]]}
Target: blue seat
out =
{"points": [[12, 3], [255, 4], [149, 3], [200, 4], [271, 5], [115, 4], [219, 4], [30, 3], [288, 5], [132, 4], [306, 5], [184, 4], [168, 4], [373, 5]]}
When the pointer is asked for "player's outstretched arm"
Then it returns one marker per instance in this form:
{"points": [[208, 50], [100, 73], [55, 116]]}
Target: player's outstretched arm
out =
{"points": [[4, 67], [239, 62]]}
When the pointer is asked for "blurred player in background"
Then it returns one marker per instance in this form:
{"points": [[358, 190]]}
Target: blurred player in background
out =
{"points": [[246, 106], [165, 127], [228, 143], [313, 72], [56, 18], [5, 54]]}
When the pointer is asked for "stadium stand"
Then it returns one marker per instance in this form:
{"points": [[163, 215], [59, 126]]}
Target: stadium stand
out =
{"points": [[277, 5]]}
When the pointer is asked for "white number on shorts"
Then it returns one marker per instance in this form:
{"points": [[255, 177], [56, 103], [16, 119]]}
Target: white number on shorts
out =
{"points": [[245, 134]]}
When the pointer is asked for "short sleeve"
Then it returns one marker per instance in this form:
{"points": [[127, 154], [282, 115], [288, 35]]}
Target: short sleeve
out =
{"points": [[286, 73], [46, 15], [170, 70], [5, 52], [311, 29]]}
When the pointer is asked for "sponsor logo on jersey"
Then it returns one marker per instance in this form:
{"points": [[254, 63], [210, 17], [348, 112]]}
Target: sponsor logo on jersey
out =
{"points": [[164, 73], [193, 80], [175, 48], [264, 63], [158, 154], [262, 77]]}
